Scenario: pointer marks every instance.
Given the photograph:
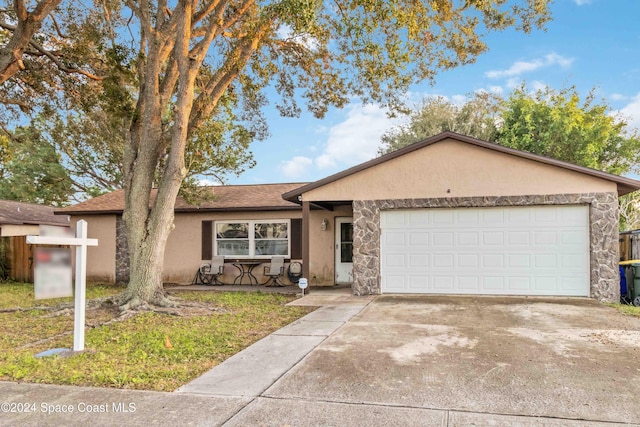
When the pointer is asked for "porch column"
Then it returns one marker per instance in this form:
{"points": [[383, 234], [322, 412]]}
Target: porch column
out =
{"points": [[306, 210]]}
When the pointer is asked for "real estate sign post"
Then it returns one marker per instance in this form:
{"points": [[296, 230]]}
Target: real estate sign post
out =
{"points": [[81, 242]]}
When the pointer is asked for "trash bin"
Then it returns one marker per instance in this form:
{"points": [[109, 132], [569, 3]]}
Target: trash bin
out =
{"points": [[632, 279], [636, 284], [624, 293]]}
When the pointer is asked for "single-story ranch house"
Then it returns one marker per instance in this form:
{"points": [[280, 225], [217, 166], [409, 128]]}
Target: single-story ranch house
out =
{"points": [[447, 215]]}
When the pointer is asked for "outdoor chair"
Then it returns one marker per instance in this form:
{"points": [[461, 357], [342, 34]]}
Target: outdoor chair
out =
{"points": [[208, 273], [274, 271], [294, 272]]}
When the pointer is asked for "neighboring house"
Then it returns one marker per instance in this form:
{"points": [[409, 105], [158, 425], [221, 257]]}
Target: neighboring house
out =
{"points": [[448, 215], [18, 220]]}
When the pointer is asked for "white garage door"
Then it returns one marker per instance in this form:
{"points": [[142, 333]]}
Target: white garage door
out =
{"points": [[532, 250]]}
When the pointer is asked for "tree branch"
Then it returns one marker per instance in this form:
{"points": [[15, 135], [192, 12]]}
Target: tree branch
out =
{"points": [[61, 66]]}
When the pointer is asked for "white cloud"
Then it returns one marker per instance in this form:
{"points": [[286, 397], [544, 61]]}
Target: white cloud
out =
{"points": [[285, 32], [520, 67], [356, 139], [618, 97], [537, 85], [459, 99], [206, 182], [296, 167], [631, 112], [581, 2]]}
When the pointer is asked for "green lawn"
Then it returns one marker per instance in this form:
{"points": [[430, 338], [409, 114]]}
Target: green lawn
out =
{"points": [[133, 353], [627, 309]]}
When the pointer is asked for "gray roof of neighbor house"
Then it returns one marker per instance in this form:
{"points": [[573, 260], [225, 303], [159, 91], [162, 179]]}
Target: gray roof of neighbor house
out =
{"points": [[258, 197], [625, 185], [19, 213]]}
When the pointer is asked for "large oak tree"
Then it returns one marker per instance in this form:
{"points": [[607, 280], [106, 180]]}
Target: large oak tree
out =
{"points": [[203, 65]]}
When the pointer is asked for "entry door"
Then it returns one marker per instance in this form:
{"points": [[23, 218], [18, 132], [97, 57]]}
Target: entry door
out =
{"points": [[344, 250]]}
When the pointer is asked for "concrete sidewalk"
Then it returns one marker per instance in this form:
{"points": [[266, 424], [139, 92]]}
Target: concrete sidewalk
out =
{"points": [[240, 391]]}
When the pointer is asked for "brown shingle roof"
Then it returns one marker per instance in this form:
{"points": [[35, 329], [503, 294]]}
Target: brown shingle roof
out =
{"points": [[19, 213], [228, 198]]}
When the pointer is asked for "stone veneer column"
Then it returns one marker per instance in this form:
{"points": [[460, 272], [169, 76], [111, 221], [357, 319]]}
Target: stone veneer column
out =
{"points": [[122, 253], [603, 219]]}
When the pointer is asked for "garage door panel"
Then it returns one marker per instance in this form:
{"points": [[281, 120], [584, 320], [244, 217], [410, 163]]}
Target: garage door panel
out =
{"points": [[519, 260], [521, 284], [468, 261], [442, 283], [468, 218], [493, 238], [444, 217], [573, 216], [548, 216], [545, 238], [572, 238], [545, 261], [468, 238], [490, 284], [395, 261], [519, 238], [492, 217], [417, 282], [546, 284], [419, 261], [395, 239], [443, 260], [419, 239], [443, 239], [541, 250], [492, 261], [469, 283]]}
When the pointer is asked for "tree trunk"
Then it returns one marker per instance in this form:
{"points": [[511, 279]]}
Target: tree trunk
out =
{"points": [[149, 229]]}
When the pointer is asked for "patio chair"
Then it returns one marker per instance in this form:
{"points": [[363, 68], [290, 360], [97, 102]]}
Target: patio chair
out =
{"points": [[294, 272], [274, 271], [208, 273]]}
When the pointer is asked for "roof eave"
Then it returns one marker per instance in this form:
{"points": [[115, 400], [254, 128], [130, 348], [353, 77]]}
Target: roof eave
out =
{"points": [[189, 210]]}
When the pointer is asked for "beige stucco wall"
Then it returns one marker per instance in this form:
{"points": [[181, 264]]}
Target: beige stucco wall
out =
{"points": [[456, 169], [322, 245], [184, 247], [101, 259], [8, 230]]}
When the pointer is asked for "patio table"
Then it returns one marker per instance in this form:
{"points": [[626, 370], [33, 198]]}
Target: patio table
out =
{"points": [[245, 269]]}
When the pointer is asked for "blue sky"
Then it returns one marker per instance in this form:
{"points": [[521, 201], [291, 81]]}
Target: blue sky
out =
{"points": [[589, 43]]}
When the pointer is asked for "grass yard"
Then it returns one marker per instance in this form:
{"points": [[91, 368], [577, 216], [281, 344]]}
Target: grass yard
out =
{"points": [[629, 310], [149, 351]]}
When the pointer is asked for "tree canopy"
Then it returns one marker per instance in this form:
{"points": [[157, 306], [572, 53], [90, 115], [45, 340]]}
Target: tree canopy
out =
{"points": [[557, 124], [190, 75], [477, 117], [549, 122]]}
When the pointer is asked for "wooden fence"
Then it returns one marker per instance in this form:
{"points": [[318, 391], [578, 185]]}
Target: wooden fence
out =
{"points": [[18, 258], [629, 246]]}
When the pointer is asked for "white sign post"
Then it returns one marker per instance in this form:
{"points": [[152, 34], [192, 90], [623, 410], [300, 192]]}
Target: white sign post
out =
{"points": [[302, 284], [81, 242]]}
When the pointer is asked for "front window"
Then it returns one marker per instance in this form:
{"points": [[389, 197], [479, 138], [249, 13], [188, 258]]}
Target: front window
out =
{"points": [[252, 239]]}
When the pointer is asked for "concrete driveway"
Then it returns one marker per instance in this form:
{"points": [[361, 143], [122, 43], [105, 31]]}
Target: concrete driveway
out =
{"points": [[558, 358], [393, 361]]}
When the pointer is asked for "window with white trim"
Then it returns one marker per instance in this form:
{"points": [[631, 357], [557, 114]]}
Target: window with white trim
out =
{"points": [[252, 239]]}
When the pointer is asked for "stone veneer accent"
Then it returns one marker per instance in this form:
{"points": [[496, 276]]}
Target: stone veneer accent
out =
{"points": [[122, 253], [603, 218]]}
